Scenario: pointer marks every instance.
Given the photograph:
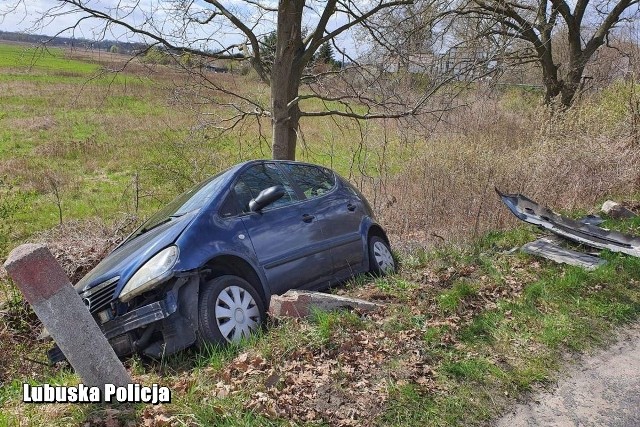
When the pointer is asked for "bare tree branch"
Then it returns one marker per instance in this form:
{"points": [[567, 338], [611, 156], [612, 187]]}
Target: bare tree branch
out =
{"points": [[535, 22]]}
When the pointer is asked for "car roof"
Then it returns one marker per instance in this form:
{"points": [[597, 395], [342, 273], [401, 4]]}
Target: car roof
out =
{"points": [[258, 161]]}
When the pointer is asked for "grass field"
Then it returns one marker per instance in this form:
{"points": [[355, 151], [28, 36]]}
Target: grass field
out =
{"points": [[50, 60], [108, 142], [88, 134], [468, 326]]}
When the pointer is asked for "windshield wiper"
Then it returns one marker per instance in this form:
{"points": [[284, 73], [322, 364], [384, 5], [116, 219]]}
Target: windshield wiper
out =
{"points": [[158, 224]]}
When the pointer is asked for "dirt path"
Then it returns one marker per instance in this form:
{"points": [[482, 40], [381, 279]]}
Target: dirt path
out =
{"points": [[602, 390]]}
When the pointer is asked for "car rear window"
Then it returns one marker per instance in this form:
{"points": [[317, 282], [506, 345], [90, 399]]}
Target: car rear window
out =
{"points": [[314, 181]]}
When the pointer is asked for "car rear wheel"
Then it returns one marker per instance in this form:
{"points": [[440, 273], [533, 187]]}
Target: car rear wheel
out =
{"points": [[380, 258], [229, 309]]}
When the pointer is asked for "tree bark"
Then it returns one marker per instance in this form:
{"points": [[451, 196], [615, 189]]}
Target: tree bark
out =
{"points": [[286, 74], [552, 84], [285, 131], [572, 84], [567, 86]]}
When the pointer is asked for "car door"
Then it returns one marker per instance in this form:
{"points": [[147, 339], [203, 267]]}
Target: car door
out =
{"points": [[286, 239], [339, 212]]}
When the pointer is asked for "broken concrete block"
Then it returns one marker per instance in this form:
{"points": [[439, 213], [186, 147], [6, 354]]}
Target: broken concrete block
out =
{"points": [[616, 210], [549, 249], [296, 303], [57, 304]]}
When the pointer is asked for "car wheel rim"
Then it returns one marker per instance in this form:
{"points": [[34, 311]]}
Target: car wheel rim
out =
{"points": [[383, 257], [237, 314]]}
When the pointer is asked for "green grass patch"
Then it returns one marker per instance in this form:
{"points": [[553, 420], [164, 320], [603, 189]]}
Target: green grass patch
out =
{"points": [[328, 324], [45, 59], [450, 300], [476, 369]]}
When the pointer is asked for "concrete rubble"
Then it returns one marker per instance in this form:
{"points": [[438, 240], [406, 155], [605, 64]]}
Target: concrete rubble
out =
{"points": [[616, 210], [297, 303]]}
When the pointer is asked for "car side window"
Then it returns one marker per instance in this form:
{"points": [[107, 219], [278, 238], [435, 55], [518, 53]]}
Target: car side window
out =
{"points": [[260, 177], [313, 181]]}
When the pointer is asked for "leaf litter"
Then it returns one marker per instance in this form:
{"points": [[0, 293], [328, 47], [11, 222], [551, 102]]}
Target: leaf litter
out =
{"points": [[348, 379]]}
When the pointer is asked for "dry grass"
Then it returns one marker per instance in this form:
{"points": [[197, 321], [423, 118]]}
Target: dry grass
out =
{"points": [[80, 245], [445, 191]]}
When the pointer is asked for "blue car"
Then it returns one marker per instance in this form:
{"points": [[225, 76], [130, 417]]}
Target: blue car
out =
{"points": [[203, 269]]}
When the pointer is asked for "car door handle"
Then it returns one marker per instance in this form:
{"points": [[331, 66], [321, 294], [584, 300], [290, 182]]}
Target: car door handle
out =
{"points": [[307, 218], [351, 207]]}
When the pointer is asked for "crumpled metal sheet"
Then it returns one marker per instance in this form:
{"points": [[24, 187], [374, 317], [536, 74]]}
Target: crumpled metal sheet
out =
{"points": [[529, 211], [548, 248]]}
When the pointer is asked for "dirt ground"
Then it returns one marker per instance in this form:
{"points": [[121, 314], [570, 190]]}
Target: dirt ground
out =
{"points": [[603, 389]]}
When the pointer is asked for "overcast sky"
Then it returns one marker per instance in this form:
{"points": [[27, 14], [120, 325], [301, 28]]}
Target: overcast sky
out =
{"points": [[26, 16]]}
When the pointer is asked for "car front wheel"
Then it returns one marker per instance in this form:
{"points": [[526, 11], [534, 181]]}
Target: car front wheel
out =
{"points": [[380, 258], [229, 309]]}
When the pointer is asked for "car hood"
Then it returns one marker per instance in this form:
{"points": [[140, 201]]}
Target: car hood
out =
{"points": [[125, 260]]}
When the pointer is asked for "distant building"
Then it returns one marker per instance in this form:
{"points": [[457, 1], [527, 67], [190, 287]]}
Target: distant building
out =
{"points": [[462, 63]]}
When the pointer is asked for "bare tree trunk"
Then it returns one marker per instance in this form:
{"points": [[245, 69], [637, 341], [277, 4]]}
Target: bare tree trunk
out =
{"points": [[286, 73], [552, 84], [580, 52], [566, 87], [570, 88], [285, 116], [285, 135]]}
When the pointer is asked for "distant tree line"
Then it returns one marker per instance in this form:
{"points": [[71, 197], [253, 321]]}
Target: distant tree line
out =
{"points": [[105, 45]]}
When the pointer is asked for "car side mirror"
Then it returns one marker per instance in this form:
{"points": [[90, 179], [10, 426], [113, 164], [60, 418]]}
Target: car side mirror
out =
{"points": [[266, 197]]}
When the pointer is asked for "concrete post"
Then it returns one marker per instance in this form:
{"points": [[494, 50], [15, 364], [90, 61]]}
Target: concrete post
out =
{"points": [[46, 287]]}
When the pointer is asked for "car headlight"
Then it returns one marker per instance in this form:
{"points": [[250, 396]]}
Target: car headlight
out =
{"points": [[154, 271]]}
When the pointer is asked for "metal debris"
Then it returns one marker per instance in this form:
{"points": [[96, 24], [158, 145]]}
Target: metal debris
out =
{"points": [[591, 220], [529, 211], [547, 248]]}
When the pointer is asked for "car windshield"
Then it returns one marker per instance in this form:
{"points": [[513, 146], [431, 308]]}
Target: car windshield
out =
{"points": [[189, 201]]}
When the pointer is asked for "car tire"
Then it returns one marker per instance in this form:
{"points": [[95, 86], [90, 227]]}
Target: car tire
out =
{"points": [[229, 309], [381, 260]]}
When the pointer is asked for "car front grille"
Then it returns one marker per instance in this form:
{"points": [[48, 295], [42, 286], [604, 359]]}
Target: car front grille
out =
{"points": [[99, 296]]}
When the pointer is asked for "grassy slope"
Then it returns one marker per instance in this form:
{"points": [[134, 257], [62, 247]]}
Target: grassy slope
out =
{"points": [[464, 332]]}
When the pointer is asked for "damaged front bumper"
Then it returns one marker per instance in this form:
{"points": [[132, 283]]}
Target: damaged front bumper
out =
{"points": [[140, 317], [155, 329], [116, 330], [591, 235]]}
